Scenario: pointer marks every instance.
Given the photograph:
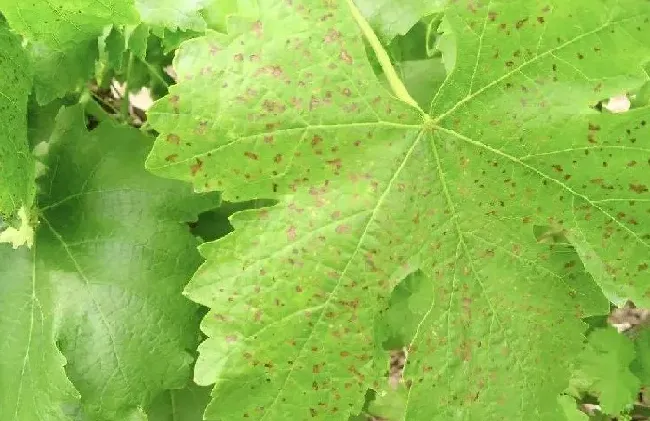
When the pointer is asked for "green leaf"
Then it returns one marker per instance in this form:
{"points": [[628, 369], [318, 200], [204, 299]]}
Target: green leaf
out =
{"points": [[110, 259], [216, 14], [641, 365], [187, 404], [63, 38], [391, 18], [17, 188], [187, 16], [406, 307], [370, 189], [34, 384], [215, 224], [422, 78], [389, 403], [183, 15], [571, 411], [604, 370]]}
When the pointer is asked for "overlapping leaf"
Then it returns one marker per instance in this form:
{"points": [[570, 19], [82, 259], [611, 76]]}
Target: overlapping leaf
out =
{"points": [[103, 282], [371, 189], [16, 162]]}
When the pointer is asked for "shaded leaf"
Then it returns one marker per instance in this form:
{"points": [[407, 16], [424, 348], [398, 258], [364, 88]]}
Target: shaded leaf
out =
{"points": [[111, 257], [187, 404]]}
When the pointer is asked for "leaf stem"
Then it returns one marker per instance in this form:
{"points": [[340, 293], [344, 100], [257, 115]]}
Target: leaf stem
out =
{"points": [[384, 60], [125, 99], [154, 72]]}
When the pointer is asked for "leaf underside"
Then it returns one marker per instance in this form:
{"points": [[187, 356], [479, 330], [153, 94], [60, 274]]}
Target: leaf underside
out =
{"points": [[370, 189]]}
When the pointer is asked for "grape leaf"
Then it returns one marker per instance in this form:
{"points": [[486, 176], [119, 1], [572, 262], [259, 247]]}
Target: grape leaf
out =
{"points": [[17, 188], [34, 384], [371, 188], [63, 38], [604, 370], [110, 259]]}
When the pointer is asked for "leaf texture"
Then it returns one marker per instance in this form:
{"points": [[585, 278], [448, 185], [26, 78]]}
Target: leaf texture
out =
{"points": [[111, 257], [372, 189]]}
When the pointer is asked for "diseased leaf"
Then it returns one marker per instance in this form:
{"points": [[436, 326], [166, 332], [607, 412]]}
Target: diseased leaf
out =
{"points": [[17, 187], [110, 259], [371, 188], [63, 38], [215, 223]]}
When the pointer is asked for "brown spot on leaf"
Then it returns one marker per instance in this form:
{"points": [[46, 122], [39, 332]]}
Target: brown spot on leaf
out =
{"points": [[172, 138], [331, 36], [316, 140], [346, 57], [171, 158], [258, 29], [521, 23], [342, 229], [251, 155], [291, 233], [195, 168], [638, 188]]}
